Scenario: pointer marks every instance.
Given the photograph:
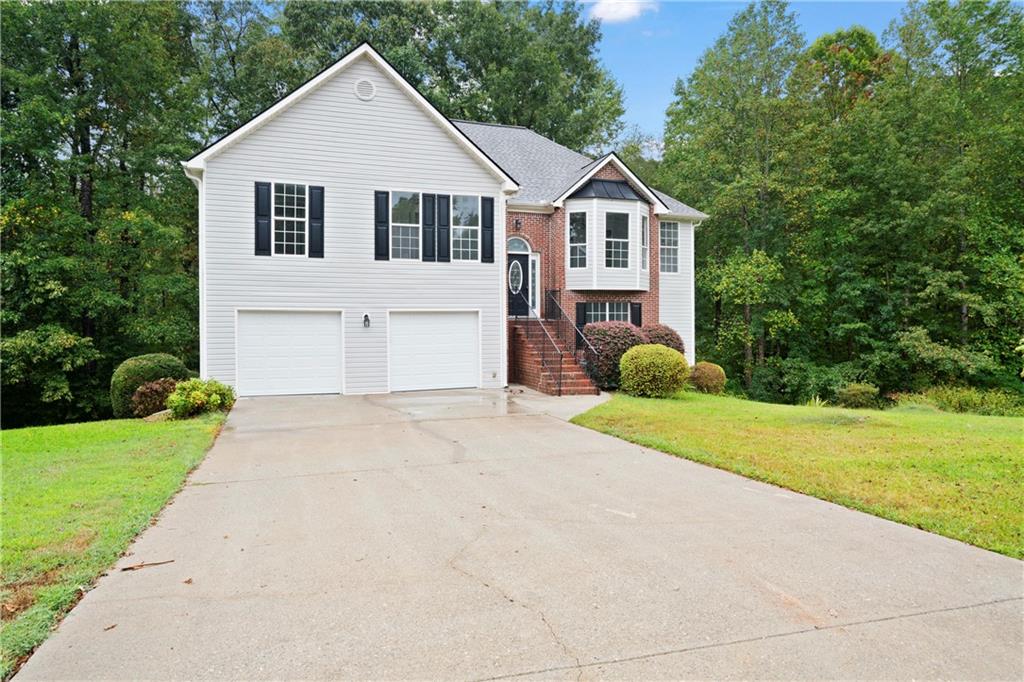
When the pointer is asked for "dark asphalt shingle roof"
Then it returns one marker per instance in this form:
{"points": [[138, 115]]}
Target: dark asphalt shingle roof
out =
{"points": [[543, 168]]}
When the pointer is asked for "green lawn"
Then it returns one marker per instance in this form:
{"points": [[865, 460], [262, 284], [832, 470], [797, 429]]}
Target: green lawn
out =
{"points": [[74, 497], [954, 474]]}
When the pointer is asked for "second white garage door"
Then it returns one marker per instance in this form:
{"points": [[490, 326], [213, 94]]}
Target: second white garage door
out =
{"points": [[428, 350]]}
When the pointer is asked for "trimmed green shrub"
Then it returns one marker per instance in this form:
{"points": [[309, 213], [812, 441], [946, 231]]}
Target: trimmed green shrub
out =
{"points": [[975, 400], [653, 371], [611, 340], [707, 377], [138, 370], [151, 396], [665, 335], [858, 395], [196, 396]]}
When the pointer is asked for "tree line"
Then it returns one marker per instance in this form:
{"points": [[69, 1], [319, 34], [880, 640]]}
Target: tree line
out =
{"points": [[866, 196], [866, 200]]}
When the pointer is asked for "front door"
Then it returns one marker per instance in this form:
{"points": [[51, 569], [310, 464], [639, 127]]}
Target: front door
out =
{"points": [[518, 284]]}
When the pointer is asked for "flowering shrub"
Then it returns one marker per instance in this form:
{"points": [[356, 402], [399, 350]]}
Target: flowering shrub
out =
{"points": [[653, 371], [665, 335], [151, 397], [197, 396], [611, 340], [707, 377]]}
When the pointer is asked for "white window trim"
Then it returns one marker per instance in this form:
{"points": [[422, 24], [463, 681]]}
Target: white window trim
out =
{"points": [[584, 243], [645, 242], [661, 261], [451, 229], [273, 219], [608, 239], [392, 223], [606, 310]]}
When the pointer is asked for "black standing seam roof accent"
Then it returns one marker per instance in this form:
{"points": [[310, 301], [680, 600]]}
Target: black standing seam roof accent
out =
{"points": [[400, 75], [606, 189]]}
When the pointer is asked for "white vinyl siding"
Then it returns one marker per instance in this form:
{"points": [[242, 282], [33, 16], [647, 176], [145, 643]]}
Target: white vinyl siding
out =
{"points": [[676, 292], [433, 349], [351, 148]]}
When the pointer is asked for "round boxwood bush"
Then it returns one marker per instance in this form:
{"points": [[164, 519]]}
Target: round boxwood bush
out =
{"points": [[139, 370], [653, 371], [707, 377], [858, 395], [197, 396], [151, 397], [610, 340], [665, 335]]}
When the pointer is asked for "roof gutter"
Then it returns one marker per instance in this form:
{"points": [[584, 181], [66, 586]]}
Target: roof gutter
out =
{"points": [[194, 171]]}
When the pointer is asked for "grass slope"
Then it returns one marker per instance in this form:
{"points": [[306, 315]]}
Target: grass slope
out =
{"points": [[958, 475], [74, 497]]}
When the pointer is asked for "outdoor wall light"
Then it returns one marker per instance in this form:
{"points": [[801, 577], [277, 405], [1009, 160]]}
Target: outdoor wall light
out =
{"points": [[518, 224], [366, 321]]}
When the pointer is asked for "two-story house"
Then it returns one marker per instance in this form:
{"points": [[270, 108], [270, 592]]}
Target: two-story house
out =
{"points": [[352, 239]]}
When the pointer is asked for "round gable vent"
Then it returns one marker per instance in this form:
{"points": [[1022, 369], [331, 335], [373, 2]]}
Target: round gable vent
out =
{"points": [[365, 89]]}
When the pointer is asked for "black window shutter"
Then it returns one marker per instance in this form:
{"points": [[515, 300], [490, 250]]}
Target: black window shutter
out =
{"points": [[581, 315], [316, 222], [380, 225], [428, 240], [262, 218], [487, 229], [444, 205], [635, 315]]}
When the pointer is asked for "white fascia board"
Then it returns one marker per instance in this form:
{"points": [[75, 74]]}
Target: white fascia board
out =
{"points": [[531, 207], [659, 206], [365, 50], [695, 218]]}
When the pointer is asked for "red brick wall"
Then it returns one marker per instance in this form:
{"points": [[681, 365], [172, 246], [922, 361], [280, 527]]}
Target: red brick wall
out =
{"points": [[546, 234]]}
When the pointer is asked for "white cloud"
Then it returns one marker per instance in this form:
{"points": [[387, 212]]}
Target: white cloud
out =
{"points": [[619, 11]]}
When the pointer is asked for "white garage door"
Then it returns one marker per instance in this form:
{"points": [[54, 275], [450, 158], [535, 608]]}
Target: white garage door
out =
{"points": [[434, 350], [284, 353]]}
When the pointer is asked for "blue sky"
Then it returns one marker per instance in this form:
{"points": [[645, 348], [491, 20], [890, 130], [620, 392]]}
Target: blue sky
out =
{"points": [[647, 44]]}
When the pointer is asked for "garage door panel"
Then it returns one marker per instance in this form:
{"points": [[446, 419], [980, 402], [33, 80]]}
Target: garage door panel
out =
{"points": [[289, 352], [432, 350]]}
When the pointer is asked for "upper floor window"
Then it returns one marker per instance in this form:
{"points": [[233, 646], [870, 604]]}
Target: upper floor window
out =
{"points": [[644, 241], [669, 255], [465, 228], [405, 225], [578, 240], [289, 219], [616, 240]]}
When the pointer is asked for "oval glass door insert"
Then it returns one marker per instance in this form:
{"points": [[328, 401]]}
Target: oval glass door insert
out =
{"points": [[515, 277]]}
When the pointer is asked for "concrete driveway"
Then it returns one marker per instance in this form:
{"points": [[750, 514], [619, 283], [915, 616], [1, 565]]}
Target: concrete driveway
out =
{"points": [[469, 535]]}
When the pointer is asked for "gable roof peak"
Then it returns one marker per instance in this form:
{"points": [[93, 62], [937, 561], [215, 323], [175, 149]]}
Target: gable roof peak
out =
{"points": [[197, 164]]}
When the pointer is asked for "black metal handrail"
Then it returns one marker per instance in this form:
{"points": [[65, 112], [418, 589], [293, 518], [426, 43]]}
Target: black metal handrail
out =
{"points": [[585, 353], [550, 347]]}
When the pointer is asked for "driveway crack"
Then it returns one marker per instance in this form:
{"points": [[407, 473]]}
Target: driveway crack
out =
{"points": [[555, 637]]}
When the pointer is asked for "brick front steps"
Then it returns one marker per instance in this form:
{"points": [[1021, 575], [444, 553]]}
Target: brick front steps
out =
{"points": [[527, 342]]}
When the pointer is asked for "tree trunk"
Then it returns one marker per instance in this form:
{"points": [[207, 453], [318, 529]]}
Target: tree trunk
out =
{"points": [[748, 349]]}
